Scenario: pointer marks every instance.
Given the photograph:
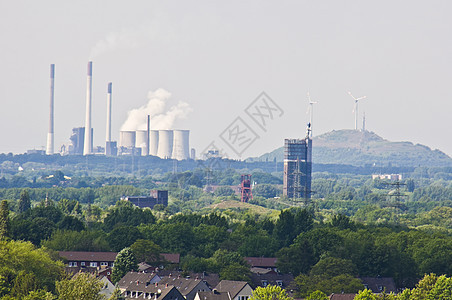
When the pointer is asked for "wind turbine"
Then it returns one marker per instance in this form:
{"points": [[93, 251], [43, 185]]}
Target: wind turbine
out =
{"points": [[310, 111], [355, 108]]}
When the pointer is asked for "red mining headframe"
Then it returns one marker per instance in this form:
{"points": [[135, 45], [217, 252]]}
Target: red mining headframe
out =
{"points": [[246, 188]]}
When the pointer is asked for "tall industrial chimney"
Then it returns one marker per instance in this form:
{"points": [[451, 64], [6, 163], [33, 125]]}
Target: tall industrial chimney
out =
{"points": [[108, 134], [88, 145], [50, 143]]}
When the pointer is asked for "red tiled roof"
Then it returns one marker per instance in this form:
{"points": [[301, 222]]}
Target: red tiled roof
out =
{"points": [[173, 258], [261, 261], [88, 256]]}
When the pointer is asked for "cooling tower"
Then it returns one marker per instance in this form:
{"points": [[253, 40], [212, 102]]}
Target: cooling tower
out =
{"points": [[165, 147], [181, 149], [50, 143], [154, 137], [88, 145], [141, 141], [127, 139]]}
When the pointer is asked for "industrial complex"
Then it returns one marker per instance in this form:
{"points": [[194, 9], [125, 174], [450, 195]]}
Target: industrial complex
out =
{"points": [[166, 144]]}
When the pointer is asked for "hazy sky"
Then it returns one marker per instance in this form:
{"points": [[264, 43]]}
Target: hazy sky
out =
{"points": [[218, 56]]}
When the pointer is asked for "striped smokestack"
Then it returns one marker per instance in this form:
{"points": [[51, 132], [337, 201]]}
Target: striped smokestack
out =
{"points": [[50, 143], [88, 144], [108, 134]]}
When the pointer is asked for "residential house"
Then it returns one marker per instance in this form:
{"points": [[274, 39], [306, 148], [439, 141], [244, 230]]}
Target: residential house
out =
{"points": [[88, 259], [133, 279], [211, 279], [103, 259], [146, 286], [379, 284], [215, 295], [262, 262], [107, 288], [238, 290], [187, 286], [271, 278]]}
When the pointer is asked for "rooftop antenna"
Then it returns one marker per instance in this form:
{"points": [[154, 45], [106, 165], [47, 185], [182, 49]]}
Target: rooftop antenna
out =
{"points": [[355, 108], [310, 111]]}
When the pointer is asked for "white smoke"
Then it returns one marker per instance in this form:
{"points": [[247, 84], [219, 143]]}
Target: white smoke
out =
{"points": [[124, 39], [161, 119]]}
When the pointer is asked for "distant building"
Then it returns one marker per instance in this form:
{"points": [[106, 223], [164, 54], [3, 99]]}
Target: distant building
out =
{"points": [[77, 141], [35, 151], [379, 284], [392, 177], [297, 168], [111, 149], [155, 197]]}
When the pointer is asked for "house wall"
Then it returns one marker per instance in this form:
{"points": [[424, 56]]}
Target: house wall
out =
{"points": [[247, 291], [202, 286]]}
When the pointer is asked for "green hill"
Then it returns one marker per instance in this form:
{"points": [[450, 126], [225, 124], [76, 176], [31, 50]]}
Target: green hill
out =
{"points": [[359, 148]]}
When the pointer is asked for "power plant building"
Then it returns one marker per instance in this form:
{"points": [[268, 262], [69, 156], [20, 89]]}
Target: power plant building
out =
{"points": [[297, 168], [77, 141], [155, 197]]}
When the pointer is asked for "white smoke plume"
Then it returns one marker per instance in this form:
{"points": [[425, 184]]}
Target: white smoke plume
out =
{"points": [[161, 119], [124, 39]]}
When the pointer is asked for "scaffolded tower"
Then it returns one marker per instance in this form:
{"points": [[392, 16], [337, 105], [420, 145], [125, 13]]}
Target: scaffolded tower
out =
{"points": [[246, 188], [297, 168]]}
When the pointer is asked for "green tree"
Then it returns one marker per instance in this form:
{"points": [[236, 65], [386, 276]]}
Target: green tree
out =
{"points": [[24, 201], [83, 286], [147, 251], [4, 219], [365, 295], [23, 265], [235, 271], [23, 284], [317, 295], [270, 292], [125, 261], [123, 236]]}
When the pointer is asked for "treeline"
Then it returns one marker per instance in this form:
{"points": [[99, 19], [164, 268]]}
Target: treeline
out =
{"points": [[216, 242]]}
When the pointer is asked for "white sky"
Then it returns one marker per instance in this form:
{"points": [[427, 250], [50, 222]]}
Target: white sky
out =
{"points": [[218, 56]]}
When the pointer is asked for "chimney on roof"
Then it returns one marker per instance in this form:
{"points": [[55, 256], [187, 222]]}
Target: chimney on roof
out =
{"points": [[169, 275], [215, 291], [156, 284], [166, 285]]}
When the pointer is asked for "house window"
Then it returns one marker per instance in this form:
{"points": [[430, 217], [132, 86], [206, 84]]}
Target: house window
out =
{"points": [[72, 264], [93, 264], [279, 282], [380, 288], [264, 283], [243, 297], [103, 264], [82, 263]]}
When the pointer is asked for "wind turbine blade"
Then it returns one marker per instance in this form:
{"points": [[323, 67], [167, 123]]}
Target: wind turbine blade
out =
{"points": [[361, 98], [350, 93]]}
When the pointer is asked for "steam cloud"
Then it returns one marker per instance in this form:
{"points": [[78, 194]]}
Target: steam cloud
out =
{"points": [[124, 39], [160, 119]]}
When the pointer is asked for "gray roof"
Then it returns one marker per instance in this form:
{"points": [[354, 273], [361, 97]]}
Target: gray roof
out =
{"points": [[184, 285], [374, 283], [214, 296], [271, 278], [233, 287], [136, 281]]}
